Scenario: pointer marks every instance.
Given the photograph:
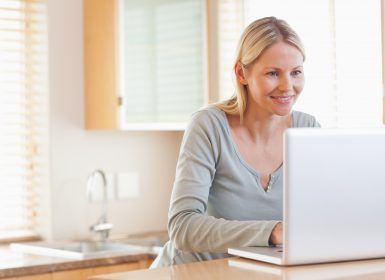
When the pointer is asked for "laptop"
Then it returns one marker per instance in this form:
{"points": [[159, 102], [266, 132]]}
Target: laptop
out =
{"points": [[334, 198]]}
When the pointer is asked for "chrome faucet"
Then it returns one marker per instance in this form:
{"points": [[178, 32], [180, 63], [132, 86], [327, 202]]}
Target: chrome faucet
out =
{"points": [[101, 226]]}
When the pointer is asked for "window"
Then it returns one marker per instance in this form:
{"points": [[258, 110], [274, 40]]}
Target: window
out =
{"points": [[231, 21], [23, 116], [342, 40]]}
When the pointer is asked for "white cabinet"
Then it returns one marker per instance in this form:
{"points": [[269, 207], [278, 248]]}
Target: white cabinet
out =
{"points": [[145, 63]]}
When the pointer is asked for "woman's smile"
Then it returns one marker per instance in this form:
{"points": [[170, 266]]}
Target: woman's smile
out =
{"points": [[283, 99]]}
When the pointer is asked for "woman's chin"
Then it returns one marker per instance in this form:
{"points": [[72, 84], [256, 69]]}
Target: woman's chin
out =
{"points": [[283, 107], [283, 111]]}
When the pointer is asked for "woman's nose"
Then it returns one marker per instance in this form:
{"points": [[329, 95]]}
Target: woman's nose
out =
{"points": [[285, 83]]}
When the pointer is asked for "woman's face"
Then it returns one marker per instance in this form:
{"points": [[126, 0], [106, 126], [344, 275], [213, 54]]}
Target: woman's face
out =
{"points": [[275, 80]]}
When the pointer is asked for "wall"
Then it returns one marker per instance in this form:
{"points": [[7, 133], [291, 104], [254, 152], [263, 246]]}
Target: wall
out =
{"points": [[383, 57], [75, 152]]}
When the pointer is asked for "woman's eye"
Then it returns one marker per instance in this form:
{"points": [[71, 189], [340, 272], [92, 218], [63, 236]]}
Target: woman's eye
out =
{"points": [[273, 73], [296, 72]]}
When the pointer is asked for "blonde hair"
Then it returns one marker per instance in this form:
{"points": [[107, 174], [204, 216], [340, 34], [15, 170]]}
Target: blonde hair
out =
{"points": [[255, 39]]}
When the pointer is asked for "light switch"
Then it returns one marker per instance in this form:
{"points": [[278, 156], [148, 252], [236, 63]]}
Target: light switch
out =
{"points": [[127, 185]]}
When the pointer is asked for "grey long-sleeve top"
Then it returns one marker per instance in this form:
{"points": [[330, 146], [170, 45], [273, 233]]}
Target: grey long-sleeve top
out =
{"points": [[217, 199]]}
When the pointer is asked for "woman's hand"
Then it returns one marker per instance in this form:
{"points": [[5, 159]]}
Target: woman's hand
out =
{"points": [[276, 235]]}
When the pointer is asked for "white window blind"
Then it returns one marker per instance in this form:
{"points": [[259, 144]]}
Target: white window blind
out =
{"points": [[230, 26], [342, 40], [161, 59], [23, 115]]}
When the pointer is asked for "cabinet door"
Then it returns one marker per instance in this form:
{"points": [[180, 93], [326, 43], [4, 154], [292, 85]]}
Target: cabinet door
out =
{"points": [[161, 60], [46, 276], [84, 274]]}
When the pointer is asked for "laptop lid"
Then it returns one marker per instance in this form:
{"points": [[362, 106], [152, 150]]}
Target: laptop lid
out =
{"points": [[334, 194]]}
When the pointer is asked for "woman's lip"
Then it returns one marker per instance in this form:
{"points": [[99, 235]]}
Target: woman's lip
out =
{"points": [[282, 99], [281, 96]]}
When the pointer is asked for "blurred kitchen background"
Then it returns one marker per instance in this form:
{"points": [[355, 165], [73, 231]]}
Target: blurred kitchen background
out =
{"points": [[344, 88]]}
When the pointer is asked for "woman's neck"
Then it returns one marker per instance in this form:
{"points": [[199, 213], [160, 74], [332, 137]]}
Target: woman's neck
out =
{"points": [[263, 126]]}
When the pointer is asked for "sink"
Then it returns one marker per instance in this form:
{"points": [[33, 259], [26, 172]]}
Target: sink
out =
{"points": [[80, 249], [156, 243]]}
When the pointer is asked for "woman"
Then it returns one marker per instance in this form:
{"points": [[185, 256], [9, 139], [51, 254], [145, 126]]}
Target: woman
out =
{"points": [[228, 185]]}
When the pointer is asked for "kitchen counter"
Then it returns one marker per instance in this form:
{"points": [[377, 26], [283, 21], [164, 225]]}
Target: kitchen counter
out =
{"points": [[238, 268], [15, 264]]}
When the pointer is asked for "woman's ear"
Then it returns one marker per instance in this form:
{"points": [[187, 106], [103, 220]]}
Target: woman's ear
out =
{"points": [[239, 71]]}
